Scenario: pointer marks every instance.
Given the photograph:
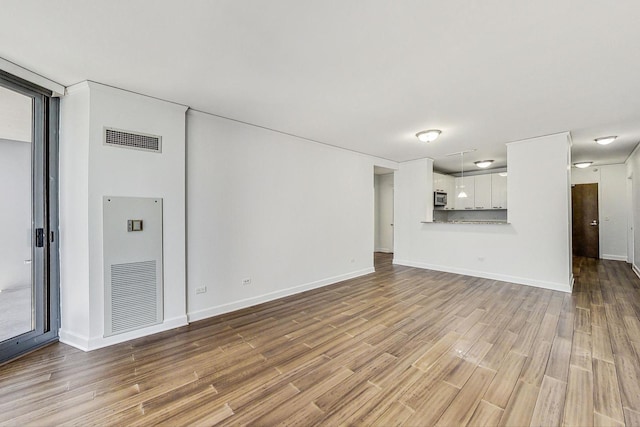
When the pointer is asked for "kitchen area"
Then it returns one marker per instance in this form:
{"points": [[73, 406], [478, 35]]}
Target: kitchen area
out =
{"points": [[521, 240], [475, 199]]}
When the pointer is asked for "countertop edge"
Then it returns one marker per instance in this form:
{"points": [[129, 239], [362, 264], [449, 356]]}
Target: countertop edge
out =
{"points": [[467, 222]]}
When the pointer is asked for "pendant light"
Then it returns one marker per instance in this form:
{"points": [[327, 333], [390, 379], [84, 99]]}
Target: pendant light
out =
{"points": [[462, 194]]}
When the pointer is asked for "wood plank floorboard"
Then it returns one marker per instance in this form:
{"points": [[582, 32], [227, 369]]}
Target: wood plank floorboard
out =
{"points": [[401, 346]]}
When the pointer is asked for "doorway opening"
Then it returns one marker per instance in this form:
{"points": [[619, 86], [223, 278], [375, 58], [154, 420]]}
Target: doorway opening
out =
{"points": [[383, 210], [585, 220], [29, 213]]}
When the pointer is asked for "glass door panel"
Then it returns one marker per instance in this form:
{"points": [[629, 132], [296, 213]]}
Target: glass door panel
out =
{"points": [[29, 276], [17, 293]]}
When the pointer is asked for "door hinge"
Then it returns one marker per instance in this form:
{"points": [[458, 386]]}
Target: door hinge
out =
{"points": [[39, 237]]}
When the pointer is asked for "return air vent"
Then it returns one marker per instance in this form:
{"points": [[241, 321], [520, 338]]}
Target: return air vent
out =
{"points": [[135, 140], [134, 296]]}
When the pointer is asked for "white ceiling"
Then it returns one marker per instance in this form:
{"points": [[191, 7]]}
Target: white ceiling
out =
{"points": [[363, 75]]}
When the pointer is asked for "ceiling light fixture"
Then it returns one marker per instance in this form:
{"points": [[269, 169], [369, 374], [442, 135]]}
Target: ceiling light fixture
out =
{"points": [[582, 165], [502, 174], [462, 194], [428, 135], [483, 163], [605, 140]]}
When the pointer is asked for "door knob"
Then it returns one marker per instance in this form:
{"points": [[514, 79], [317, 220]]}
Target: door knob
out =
{"points": [[594, 223]]}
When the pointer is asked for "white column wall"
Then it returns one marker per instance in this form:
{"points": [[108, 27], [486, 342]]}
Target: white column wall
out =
{"points": [[533, 249], [90, 170], [633, 172]]}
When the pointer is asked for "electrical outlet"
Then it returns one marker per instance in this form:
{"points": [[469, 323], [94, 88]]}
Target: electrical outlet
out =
{"points": [[201, 290], [246, 281]]}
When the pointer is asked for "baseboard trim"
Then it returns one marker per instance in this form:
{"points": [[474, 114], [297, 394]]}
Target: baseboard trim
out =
{"points": [[248, 302], [635, 269], [384, 250], [74, 340], [614, 257], [562, 287], [89, 344]]}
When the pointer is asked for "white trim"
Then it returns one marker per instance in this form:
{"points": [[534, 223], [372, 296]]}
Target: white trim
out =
{"points": [[564, 132], [635, 270], [88, 344], [562, 287], [30, 76], [76, 87], [385, 250], [391, 164], [248, 302], [614, 257], [74, 340]]}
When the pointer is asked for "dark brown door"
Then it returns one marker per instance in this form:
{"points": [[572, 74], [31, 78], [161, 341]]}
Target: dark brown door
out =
{"points": [[586, 236]]}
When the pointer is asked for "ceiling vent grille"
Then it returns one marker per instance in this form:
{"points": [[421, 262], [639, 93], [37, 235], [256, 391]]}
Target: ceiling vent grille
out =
{"points": [[135, 140]]}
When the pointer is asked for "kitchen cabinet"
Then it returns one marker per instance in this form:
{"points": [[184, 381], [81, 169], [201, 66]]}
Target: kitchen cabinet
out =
{"points": [[445, 183], [468, 184], [498, 191], [438, 182], [488, 191], [482, 192]]}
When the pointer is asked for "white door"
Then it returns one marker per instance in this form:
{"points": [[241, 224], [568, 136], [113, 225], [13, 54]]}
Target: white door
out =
{"points": [[385, 213]]}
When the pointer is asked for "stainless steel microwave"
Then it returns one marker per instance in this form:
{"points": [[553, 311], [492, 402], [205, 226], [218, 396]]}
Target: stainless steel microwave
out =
{"points": [[439, 198]]}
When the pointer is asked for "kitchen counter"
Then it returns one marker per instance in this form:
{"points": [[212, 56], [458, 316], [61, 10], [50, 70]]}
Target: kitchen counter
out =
{"points": [[499, 222], [477, 216]]}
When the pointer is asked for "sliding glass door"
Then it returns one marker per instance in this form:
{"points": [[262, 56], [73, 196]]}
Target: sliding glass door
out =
{"points": [[28, 195]]}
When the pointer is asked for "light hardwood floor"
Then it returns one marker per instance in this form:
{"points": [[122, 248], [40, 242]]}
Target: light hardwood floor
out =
{"points": [[402, 346]]}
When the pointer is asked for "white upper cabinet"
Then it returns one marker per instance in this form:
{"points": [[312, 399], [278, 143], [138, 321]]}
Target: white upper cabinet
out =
{"points": [[468, 184], [445, 183], [498, 191], [487, 191], [482, 194], [450, 189], [438, 181]]}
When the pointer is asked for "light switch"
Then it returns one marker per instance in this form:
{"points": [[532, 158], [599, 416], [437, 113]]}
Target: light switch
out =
{"points": [[134, 225]]}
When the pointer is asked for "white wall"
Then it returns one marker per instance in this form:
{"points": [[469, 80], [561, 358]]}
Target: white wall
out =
{"points": [[15, 214], [612, 206], [384, 213], [290, 214], [633, 171], [534, 249], [74, 217], [90, 170]]}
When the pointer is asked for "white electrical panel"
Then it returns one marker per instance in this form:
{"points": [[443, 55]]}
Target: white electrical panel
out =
{"points": [[132, 234]]}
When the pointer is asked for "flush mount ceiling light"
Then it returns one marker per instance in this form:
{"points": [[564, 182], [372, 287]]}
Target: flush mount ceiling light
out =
{"points": [[582, 165], [428, 135], [502, 174], [483, 163], [605, 140]]}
